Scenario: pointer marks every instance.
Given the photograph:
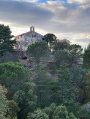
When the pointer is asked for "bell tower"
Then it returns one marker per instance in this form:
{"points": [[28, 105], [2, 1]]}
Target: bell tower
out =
{"points": [[32, 29]]}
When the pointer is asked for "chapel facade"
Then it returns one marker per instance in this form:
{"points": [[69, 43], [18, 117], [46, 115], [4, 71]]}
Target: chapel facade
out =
{"points": [[26, 39]]}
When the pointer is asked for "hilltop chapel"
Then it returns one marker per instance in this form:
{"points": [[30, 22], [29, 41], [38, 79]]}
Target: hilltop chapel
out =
{"points": [[28, 38]]}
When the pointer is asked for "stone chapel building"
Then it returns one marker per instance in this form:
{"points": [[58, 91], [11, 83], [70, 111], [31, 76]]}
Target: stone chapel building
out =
{"points": [[26, 39]]}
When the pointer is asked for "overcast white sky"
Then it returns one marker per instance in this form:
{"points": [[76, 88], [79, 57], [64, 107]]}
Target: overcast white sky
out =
{"points": [[68, 19]]}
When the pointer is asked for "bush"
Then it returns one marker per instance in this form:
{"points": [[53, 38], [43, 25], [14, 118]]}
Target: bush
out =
{"points": [[38, 114], [86, 108], [8, 57]]}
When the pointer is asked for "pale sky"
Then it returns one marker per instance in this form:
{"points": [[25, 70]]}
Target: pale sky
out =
{"points": [[68, 19]]}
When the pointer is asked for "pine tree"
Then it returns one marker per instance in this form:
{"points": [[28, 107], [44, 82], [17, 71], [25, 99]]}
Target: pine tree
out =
{"points": [[6, 44], [66, 91], [43, 88], [86, 57]]}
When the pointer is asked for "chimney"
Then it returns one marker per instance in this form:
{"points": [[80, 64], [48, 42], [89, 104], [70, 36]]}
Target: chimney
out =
{"points": [[32, 29]]}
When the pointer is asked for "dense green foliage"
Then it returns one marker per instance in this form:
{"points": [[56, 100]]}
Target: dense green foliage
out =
{"points": [[37, 50], [13, 75], [52, 112], [86, 108], [6, 44], [84, 91], [62, 113], [75, 52], [74, 107], [65, 91], [8, 57], [38, 114], [43, 88], [78, 75], [61, 56], [61, 45], [86, 57], [50, 39], [13, 109], [26, 99]]}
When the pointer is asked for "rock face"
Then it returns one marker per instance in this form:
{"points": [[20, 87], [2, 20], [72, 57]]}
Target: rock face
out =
{"points": [[26, 39]]}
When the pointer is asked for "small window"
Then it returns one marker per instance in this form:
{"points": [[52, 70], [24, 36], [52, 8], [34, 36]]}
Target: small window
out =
{"points": [[33, 35]]}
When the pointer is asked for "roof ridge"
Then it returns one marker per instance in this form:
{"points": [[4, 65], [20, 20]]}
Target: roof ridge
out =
{"points": [[28, 32]]}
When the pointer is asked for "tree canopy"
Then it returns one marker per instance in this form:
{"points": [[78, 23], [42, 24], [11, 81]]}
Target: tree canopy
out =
{"points": [[86, 57], [62, 44], [26, 99], [38, 114], [13, 109], [50, 39], [84, 91], [65, 91], [61, 112], [75, 52], [37, 50], [13, 75], [6, 44]]}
